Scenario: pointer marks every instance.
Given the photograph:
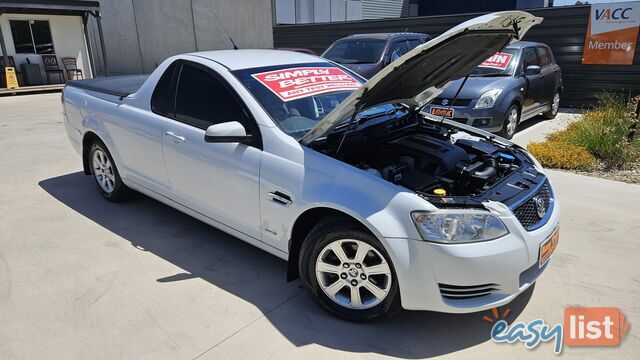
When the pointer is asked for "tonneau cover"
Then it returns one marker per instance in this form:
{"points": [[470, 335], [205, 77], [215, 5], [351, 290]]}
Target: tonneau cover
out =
{"points": [[120, 86]]}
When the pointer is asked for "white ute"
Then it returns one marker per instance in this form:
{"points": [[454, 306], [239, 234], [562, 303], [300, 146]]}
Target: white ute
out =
{"points": [[375, 205]]}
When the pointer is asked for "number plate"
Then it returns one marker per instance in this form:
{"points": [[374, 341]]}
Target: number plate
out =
{"points": [[548, 247], [437, 111]]}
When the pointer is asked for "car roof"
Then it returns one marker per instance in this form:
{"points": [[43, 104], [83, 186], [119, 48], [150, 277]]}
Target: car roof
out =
{"points": [[253, 58], [383, 36], [521, 44]]}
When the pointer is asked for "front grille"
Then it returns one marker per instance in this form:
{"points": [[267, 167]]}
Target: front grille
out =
{"points": [[458, 102], [459, 292], [527, 212]]}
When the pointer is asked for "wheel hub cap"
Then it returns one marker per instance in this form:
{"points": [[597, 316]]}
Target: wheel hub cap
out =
{"points": [[353, 274], [103, 171]]}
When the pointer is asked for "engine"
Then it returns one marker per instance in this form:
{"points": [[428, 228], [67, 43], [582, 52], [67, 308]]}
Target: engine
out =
{"points": [[433, 166]]}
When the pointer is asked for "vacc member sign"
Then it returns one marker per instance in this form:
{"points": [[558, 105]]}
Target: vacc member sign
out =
{"points": [[612, 33]]}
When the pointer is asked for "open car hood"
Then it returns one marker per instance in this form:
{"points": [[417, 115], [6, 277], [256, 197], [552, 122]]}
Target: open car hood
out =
{"points": [[422, 73]]}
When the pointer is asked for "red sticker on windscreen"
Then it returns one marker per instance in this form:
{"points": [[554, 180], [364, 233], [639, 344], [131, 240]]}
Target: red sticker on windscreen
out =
{"points": [[497, 61], [296, 83]]}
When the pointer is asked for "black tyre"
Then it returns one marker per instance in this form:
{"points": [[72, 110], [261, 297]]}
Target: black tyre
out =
{"points": [[105, 174], [510, 123], [555, 106], [347, 270]]}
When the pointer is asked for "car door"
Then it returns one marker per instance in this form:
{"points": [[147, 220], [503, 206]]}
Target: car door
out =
{"points": [[548, 74], [218, 180], [535, 83]]}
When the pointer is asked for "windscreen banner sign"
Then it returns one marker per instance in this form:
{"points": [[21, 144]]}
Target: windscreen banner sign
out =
{"points": [[497, 61], [612, 33], [295, 83]]}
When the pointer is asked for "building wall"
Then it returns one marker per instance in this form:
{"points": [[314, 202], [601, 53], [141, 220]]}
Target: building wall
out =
{"points": [[139, 34], [317, 11], [67, 35], [563, 29], [382, 9]]}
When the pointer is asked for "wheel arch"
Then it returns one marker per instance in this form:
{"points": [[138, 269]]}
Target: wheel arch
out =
{"points": [[88, 139], [303, 225]]}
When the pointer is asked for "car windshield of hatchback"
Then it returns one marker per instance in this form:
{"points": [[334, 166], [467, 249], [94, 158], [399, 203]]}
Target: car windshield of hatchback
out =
{"points": [[355, 51], [502, 63], [298, 96]]}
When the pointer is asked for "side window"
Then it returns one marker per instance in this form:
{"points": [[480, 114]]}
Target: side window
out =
{"points": [[162, 100], [202, 100], [530, 57], [397, 50], [413, 43], [543, 56]]}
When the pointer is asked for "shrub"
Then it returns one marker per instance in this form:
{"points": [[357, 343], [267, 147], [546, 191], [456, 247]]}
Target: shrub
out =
{"points": [[561, 155], [605, 132]]}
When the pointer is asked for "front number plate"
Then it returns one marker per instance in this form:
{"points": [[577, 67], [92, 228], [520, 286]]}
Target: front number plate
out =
{"points": [[547, 248], [437, 111]]}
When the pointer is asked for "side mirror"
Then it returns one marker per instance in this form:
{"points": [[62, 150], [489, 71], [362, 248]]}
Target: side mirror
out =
{"points": [[532, 70], [228, 132]]}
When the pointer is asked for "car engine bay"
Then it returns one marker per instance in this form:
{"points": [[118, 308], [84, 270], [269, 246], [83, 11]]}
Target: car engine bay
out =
{"points": [[436, 161]]}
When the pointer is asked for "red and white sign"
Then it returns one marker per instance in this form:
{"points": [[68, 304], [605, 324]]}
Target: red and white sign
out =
{"points": [[295, 83], [497, 61]]}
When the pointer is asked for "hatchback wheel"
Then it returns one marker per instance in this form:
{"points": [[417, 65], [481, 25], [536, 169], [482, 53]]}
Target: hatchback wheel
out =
{"points": [[346, 270], [511, 121], [105, 174]]}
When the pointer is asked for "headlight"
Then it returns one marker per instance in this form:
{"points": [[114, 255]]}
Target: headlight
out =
{"points": [[488, 99], [456, 227]]}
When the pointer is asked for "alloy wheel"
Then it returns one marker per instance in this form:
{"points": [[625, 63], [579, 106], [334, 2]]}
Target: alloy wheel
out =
{"points": [[353, 274], [556, 104], [512, 121], [103, 171]]}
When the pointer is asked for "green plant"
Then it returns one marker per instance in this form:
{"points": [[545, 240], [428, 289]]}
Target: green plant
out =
{"points": [[607, 132], [561, 155]]}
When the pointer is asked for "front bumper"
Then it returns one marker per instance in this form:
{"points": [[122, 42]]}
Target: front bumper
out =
{"points": [[490, 119], [444, 277]]}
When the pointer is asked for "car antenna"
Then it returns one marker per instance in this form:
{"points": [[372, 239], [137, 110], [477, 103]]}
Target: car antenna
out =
{"points": [[455, 97], [235, 47]]}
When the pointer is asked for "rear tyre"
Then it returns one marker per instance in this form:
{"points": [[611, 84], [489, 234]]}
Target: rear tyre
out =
{"points": [[105, 174], [510, 123], [347, 270], [555, 106]]}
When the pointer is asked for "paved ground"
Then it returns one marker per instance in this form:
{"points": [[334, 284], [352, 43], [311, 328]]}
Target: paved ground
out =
{"points": [[81, 278]]}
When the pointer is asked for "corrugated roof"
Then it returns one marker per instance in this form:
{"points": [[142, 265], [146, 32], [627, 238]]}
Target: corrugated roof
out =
{"points": [[63, 5]]}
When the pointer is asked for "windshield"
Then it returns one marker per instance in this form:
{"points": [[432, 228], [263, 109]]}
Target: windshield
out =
{"points": [[355, 51], [297, 97], [500, 64]]}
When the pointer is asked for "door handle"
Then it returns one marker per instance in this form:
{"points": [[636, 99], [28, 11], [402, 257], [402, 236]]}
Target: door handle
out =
{"points": [[280, 198], [176, 138]]}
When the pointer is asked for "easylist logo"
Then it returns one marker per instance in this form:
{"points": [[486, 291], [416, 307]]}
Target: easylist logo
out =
{"points": [[594, 326], [582, 327]]}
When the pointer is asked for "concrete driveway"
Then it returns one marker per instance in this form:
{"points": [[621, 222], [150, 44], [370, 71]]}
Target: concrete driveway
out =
{"points": [[81, 278]]}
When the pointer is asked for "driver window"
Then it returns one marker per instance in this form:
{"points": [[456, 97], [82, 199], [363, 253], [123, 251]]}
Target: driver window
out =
{"points": [[203, 100], [530, 57]]}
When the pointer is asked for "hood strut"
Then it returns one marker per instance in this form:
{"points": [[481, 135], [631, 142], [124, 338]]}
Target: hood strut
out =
{"points": [[353, 118], [455, 97]]}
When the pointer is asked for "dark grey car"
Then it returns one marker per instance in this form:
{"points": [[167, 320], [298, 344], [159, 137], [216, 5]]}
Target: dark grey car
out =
{"points": [[516, 84], [366, 54]]}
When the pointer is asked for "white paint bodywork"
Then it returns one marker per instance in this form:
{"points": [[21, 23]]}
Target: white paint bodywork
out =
{"points": [[228, 186]]}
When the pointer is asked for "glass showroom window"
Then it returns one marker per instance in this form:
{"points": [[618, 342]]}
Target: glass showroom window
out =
{"points": [[32, 36]]}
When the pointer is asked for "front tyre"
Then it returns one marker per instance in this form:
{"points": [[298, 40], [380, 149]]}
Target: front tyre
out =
{"points": [[346, 269], [105, 174], [510, 123]]}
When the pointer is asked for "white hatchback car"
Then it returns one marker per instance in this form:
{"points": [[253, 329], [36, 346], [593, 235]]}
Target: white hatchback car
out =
{"points": [[375, 205]]}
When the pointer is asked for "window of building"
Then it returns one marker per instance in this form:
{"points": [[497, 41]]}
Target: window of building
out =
{"points": [[31, 36]]}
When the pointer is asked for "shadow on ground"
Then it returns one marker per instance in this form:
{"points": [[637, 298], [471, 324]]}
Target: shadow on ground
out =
{"points": [[259, 278]]}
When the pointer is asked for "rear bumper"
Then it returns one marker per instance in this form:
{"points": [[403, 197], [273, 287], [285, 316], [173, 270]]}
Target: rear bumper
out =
{"points": [[445, 278]]}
